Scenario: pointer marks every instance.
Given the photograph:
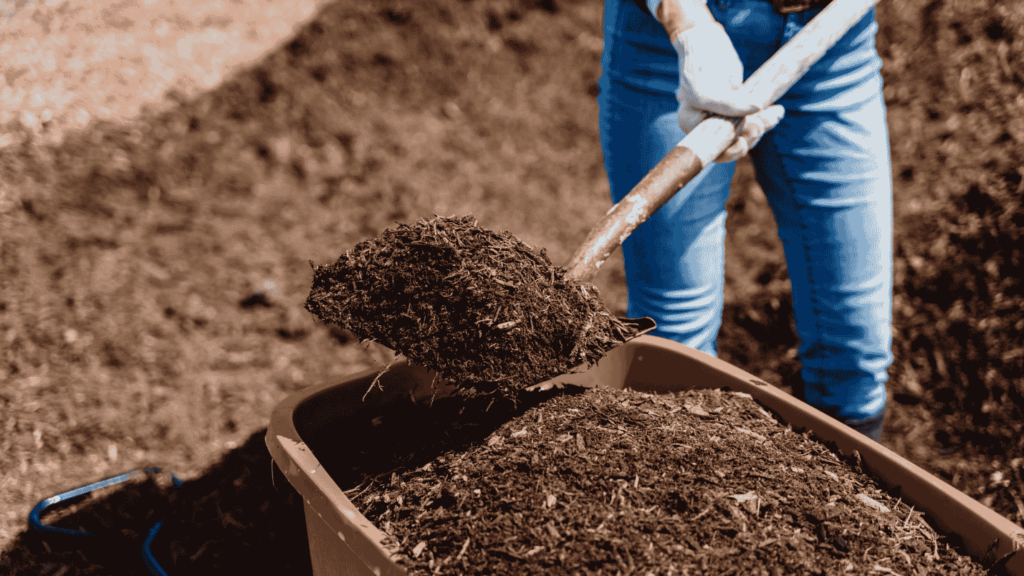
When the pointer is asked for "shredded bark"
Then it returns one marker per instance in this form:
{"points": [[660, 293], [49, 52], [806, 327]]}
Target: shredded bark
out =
{"points": [[623, 482], [482, 308]]}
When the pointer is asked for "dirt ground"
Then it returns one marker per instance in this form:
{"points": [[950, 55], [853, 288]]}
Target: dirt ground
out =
{"points": [[167, 174]]}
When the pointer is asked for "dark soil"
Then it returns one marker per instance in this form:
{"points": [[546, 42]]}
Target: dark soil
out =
{"points": [[620, 482], [481, 308]]}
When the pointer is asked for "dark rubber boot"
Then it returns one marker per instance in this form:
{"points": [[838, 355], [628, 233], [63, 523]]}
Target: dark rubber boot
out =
{"points": [[871, 426]]}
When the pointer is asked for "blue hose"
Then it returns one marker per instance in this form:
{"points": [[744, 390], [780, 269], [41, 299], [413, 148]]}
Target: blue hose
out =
{"points": [[147, 555], [35, 522]]}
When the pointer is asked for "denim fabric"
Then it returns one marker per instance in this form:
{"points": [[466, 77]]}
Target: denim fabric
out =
{"points": [[825, 170]]}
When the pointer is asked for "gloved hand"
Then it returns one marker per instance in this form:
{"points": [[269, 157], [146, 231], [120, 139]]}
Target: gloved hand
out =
{"points": [[710, 78]]}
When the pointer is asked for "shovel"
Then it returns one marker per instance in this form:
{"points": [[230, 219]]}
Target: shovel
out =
{"points": [[712, 136], [709, 139], [334, 285]]}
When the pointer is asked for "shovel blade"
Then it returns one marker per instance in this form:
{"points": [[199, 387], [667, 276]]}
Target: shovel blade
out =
{"points": [[640, 325]]}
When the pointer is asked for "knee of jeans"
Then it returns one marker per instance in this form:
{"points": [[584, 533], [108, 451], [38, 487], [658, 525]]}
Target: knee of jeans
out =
{"points": [[677, 261], [701, 333], [690, 316]]}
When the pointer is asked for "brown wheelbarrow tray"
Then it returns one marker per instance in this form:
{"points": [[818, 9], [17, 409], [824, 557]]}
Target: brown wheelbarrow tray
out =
{"points": [[343, 541]]}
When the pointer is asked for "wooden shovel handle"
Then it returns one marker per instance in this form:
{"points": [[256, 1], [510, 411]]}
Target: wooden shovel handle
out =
{"points": [[712, 136]]}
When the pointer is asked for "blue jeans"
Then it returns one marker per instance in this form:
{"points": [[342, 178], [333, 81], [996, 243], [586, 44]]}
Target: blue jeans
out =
{"points": [[825, 170]]}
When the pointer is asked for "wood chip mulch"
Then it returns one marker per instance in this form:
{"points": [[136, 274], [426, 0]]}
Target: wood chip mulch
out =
{"points": [[621, 482], [480, 307]]}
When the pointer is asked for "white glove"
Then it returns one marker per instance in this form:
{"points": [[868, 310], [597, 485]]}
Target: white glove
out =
{"points": [[710, 80], [750, 132]]}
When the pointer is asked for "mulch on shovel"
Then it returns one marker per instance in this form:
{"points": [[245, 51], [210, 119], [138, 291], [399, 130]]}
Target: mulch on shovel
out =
{"points": [[621, 482], [481, 308]]}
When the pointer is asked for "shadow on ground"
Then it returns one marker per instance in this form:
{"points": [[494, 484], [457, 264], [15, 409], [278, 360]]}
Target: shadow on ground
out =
{"points": [[240, 517]]}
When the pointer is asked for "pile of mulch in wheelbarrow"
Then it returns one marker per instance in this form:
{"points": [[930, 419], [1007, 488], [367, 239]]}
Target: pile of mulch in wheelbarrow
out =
{"points": [[481, 308], [621, 482]]}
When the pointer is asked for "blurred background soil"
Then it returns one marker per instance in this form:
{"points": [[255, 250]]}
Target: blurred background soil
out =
{"points": [[168, 171]]}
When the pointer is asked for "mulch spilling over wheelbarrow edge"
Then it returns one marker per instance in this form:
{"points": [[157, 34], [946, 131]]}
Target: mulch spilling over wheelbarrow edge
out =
{"points": [[479, 307], [620, 482]]}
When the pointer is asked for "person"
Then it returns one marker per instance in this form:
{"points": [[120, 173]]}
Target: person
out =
{"points": [[824, 167]]}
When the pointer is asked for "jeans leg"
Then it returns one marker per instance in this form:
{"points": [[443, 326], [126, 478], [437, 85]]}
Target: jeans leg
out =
{"points": [[828, 180], [826, 172], [675, 268]]}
